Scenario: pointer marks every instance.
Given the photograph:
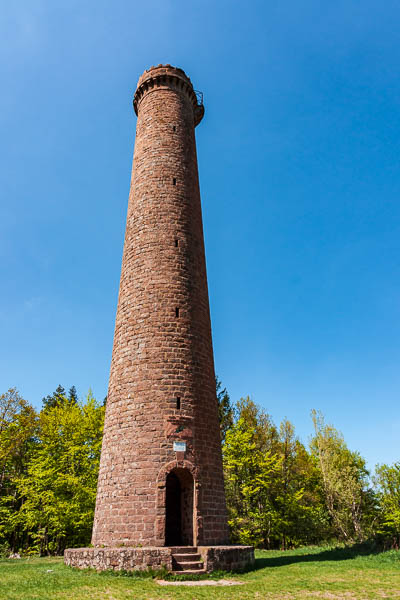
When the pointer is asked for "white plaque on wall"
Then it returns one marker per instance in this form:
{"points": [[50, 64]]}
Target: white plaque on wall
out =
{"points": [[180, 446]]}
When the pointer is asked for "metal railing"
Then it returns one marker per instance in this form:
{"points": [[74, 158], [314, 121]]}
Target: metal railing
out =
{"points": [[199, 96]]}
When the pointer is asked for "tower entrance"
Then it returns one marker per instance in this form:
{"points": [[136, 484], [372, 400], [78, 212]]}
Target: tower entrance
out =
{"points": [[179, 508]]}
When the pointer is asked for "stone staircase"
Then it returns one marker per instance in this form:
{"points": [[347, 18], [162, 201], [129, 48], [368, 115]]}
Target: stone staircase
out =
{"points": [[186, 561]]}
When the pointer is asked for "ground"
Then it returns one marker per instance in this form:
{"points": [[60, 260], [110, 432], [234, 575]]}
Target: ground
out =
{"points": [[315, 573]]}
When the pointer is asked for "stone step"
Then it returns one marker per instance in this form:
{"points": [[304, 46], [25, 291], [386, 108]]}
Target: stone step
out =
{"points": [[187, 557], [190, 572], [188, 565], [183, 549]]}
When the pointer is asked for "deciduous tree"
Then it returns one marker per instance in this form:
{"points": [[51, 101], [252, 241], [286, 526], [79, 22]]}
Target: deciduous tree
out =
{"points": [[387, 482], [18, 424], [349, 499], [59, 483]]}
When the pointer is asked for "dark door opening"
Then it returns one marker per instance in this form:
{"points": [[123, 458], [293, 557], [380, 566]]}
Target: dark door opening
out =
{"points": [[179, 508]]}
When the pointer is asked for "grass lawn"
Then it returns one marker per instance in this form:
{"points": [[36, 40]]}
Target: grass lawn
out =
{"points": [[316, 573]]}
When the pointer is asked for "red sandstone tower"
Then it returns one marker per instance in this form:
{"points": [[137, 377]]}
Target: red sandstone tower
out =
{"points": [[160, 496], [160, 480]]}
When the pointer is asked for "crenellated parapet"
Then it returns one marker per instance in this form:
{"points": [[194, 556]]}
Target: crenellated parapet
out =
{"points": [[168, 77]]}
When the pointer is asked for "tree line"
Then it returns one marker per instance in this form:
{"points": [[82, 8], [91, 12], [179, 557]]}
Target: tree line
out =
{"points": [[49, 463], [280, 493]]}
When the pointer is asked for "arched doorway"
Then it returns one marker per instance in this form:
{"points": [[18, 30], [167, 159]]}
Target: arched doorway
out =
{"points": [[179, 508]]}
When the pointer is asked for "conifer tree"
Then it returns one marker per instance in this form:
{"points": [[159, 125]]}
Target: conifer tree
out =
{"points": [[72, 395], [55, 398], [225, 409]]}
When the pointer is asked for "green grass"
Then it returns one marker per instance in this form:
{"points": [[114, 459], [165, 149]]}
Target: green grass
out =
{"points": [[317, 573]]}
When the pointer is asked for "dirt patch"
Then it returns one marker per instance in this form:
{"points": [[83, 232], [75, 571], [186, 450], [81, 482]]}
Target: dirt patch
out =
{"points": [[321, 595], [220, 582], [333, 595]]}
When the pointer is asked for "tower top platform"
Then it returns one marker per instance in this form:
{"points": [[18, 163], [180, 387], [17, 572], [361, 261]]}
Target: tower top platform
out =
{"points": [[167, 69], [167, 76]]}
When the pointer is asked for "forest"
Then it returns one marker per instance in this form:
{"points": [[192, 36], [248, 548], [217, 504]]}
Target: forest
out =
{"points": [[280, 493]]}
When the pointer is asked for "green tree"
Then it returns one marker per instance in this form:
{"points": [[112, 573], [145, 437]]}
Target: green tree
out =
{"points": [[348, 497], [225, 409], [387, 482], [72, 394], [249, 475], [297, 498], [59, 483], [265, 433], [273, 487], [18, 422], [55, 398]]}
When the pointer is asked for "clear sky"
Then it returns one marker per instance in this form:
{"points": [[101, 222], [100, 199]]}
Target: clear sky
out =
{"points": [[299, 173]]}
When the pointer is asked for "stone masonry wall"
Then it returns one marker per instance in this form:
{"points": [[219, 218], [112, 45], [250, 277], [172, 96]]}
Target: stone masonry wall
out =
{"points": [[227, 558], [162, 384], [221, 558], [118, 559]]}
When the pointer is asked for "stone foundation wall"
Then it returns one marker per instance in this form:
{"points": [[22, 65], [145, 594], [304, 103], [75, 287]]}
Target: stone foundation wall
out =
{"points": [[226, 558], [221, 558], [129, 559]]}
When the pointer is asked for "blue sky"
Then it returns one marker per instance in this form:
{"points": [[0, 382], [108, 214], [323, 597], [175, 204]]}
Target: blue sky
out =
{"points": [[299, 173]]}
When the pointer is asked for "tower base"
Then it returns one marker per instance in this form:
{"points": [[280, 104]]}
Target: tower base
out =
{"points": [[182, 560]]}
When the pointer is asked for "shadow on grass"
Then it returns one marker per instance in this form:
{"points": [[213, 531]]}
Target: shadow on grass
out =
{"points": [[331, 554]]}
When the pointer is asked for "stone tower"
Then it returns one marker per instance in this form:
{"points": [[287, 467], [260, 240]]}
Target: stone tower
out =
{"points": [[160, 495], [160, 480]]}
